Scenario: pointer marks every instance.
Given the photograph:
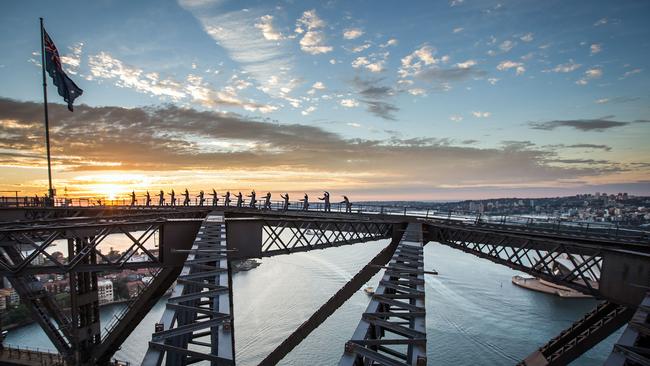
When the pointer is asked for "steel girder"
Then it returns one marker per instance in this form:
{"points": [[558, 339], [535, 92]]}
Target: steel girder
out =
{"points": [[42, 306], [392, 331], [585, 333], [633, 347], [327, 309], [298, 235], [536, 257], [38, 240], [197, 324]]}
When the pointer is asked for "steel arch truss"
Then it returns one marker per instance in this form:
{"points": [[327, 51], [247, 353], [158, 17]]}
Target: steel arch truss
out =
{"points": [[34, 243], [197, 324], [581, 336], [633, 348], [569, 265], [289, 235], [392, 330]]}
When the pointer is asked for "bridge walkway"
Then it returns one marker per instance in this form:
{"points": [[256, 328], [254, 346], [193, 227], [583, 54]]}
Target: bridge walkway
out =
{"points": [[392, 330]]}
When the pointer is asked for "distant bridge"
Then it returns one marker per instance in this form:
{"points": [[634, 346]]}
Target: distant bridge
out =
{"points": [[194, 246]]}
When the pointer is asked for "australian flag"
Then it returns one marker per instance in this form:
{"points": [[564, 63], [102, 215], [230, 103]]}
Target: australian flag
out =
{"points": [[66, 87]]}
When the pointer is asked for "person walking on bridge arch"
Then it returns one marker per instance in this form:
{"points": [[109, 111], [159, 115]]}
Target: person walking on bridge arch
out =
{"points": [[161, 200], [267, 201], [147, 199], [326, 201], [227, 200], [253, 202], [240, 200], [186, 201], [305, 203], [172, 198], [348, 205], [215, 197], [133, 201], [201, 197], [285, 205]]}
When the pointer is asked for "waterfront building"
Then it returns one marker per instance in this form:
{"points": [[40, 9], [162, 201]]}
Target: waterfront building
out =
{"points": [[105, 290]]}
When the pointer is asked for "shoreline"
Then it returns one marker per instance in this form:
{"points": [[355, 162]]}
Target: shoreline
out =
{"points": [[238, 266]]}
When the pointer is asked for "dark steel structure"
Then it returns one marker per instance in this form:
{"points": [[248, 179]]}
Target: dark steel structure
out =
{"points": [[392, 330], [193, 247]]}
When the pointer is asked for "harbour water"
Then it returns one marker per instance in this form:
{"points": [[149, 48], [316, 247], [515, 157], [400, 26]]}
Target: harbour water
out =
{"points": [[475, 315]]}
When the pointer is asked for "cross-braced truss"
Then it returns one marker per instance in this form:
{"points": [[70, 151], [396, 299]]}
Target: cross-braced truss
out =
{"points": [[37, 242], [295, 235], [197, 324], [392, 330], [577, 267], [580, 336], [633, 348], [587, 263]]}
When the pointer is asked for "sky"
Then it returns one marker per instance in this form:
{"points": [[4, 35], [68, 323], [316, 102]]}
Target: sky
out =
{"points": [[425, 100]]}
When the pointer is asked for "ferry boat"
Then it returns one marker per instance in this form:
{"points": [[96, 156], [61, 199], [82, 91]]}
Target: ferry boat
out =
{"points": [[540, 285]]}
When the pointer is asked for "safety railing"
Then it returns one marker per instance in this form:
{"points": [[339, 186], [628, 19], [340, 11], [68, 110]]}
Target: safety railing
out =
{"points": [[548, 223]]}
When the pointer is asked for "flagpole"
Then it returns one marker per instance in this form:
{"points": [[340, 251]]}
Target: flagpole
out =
{"points": [[50, 191]]}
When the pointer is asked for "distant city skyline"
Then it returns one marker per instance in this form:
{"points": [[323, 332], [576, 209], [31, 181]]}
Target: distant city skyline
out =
{"points": [[444, 100]]}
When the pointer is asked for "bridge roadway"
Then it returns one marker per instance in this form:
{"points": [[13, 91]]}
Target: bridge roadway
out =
{"points": [[612, 265]]}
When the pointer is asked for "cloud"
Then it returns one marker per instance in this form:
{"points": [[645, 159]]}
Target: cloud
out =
{"points": [[588, 146], [377, 66], [479, 114], [528, 37], [193, 89], [595, 48], [417, 91], [596, 125], [313, 40], [352, 33], [318, 85], [360, 62], [269, 63], [458, 30], [456, 118], [376, 97], [593, 73], [105, 66], [376, 62], [506, 65], [73, 60], [630, 73], [308, 110], [617, 100], [201, 146], [567, 67], [349, 103], [390, 42], [466, 65], [456, 2], [361, 48], [493, 81], [268, 31], [450, 75], [414, 62], [600, 22], [507, 45], [381, 109]]}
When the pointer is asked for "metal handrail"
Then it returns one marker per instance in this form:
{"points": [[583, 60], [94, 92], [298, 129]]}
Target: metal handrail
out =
{"points": [[548, 223]]}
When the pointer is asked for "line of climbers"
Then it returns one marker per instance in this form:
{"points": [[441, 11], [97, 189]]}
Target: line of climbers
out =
{"points": [[252, 203]]}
